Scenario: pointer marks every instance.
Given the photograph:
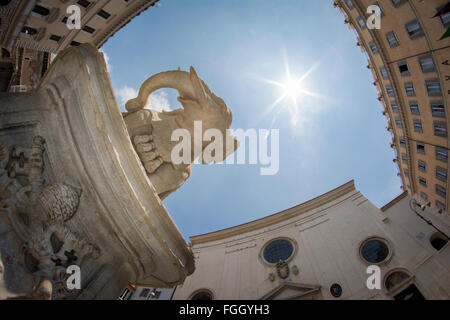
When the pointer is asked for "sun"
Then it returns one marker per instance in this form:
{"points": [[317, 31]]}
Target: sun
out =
{"points": [[292, 88]]}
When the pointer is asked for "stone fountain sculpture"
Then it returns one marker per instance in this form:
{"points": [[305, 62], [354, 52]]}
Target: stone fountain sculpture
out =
{"points": [[81, 184], [151, 130]]}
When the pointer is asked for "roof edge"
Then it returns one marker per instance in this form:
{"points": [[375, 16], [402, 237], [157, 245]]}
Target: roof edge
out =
{"points": [[276, 217], [394, 201]]}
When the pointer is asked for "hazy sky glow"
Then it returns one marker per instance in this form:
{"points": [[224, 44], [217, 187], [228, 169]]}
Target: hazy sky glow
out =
{"points": [[239, 48]]}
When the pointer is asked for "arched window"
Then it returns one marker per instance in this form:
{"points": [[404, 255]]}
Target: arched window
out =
{"points": [[438, 241], [395, 278], [375, 250], [276, 250], [202, 294]]}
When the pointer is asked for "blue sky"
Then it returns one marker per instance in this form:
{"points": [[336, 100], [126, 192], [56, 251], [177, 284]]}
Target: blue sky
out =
{"points": [[340, 134]]}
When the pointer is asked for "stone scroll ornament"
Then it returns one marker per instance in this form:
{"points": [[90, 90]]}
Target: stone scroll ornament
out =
{"points": [[38, 212], [151, 131]]}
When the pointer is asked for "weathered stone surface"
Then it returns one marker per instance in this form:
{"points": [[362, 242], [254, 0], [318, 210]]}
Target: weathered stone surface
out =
{"points": [[152, 131], [74, 191]]}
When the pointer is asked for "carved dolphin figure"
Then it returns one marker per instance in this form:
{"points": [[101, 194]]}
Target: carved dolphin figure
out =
{"points": [[151, 131]]}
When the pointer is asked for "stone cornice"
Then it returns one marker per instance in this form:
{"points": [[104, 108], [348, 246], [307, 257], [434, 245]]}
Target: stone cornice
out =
{"points": [[393, 202]]}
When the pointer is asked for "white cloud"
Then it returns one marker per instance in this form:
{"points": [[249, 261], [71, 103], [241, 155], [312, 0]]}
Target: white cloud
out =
{"points": [[126, 93], [158, 100], [105, 55]]}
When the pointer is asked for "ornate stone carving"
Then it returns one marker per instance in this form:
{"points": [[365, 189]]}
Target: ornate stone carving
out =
{"points": [[271, 277], [38, 214], [151, 131], [295, 270], [59, 201], [81, 196], [282, 269]]}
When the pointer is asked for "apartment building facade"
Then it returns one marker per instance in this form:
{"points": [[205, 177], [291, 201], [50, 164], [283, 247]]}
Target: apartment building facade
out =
{"points": [[32, 30], [411, 67]]}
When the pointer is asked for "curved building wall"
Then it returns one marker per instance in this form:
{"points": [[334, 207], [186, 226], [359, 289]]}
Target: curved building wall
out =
{"points": [[397, 59], [327, 233]]}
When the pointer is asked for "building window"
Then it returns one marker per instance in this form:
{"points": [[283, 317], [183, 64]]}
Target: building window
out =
{"points": [[384, 73], [361, 23], [28, 30], [441, 154], [104, 14], [414, 29], [414, 107], [374, 250], [41, 10], [394, 107], [403, 68], [402, 142], [280, 249], [418, 125], [438, 241], [440, 128], [427, 63], [409, 88], [440, 191], [373, 47], [389, 90], [404, 158], [398, 3], [423, 181], [420, 148], [392, 39], [202, 295], [74, 43], [433, 87], [441, 174], [54, 37], [381, 9], [349, 4], [84, 3], [406, 173], [440, 206], [5, 53], [155, 294], [424, 196], [88, 29], [422, 166], [445, 18], [126, 294], [398, 122], [144, 293], [395, 280], [437, 109]]}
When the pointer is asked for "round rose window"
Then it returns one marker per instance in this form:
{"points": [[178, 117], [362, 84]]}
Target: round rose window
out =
{"points": [[375, 251], [277, 250]]}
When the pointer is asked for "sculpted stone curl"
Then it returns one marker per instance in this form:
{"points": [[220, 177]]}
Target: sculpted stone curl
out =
{"points": [[151, 131]]}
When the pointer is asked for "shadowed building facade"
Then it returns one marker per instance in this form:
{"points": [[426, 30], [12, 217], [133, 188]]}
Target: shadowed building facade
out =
{"points": [[30, 31], [411, 68]]}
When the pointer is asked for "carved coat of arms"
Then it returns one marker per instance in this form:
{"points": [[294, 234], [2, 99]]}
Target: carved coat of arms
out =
{"points": [[282, 269]]}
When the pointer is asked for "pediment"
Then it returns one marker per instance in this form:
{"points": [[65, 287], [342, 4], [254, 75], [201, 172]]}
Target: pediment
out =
{"points": [[291, 291]]}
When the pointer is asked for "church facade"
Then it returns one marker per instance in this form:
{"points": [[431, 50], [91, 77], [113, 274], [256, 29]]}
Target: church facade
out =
{"points": [[330, 247]]}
